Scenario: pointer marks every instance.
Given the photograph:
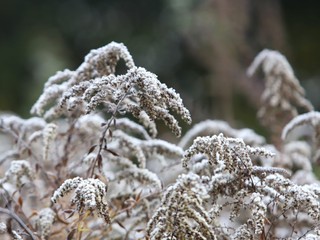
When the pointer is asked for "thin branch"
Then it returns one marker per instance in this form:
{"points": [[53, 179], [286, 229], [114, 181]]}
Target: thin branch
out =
{"points": [[18, 219]]}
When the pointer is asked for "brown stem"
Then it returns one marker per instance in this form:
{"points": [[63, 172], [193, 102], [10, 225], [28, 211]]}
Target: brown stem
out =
{"points": [[18, 220], [103, 135]]}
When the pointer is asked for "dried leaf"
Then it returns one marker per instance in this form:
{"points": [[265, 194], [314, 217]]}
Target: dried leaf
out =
{"points": [[71, 214], [120, 224], [34, 213], [99, 162], [68, 211], [112, 152], [138, 196], [71, 234], [92, 148], [20, 201], [110, 133]]}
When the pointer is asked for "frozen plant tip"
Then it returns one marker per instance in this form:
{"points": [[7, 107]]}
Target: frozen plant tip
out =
{"points": [[138, 92], [18, 169], [214, 127], [232, 151], [95, 83], [99, 62], [89, 195], [49, 134], [99, 136], [45, 221], [310, 119], [182, 214], [283, 93]]}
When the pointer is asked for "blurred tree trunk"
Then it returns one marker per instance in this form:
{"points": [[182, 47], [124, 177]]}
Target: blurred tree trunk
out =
{"points": [[224, 36]]}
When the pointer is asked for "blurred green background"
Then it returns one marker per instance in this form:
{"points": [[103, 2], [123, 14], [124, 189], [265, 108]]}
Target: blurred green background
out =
{"points": [[200, 47]]}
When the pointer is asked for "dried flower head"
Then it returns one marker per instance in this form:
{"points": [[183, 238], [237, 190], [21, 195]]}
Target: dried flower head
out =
{"points": [[311, 119], [49, 134], [98, 63], [307, 124], [89, 195], [45, 221], [282, 94], [94, 83], [215, 127], [234, 153], [138, 92], [17, 171], [182, 214], [3, 228]]}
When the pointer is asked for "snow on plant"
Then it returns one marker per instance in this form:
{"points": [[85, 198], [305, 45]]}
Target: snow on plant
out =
{"points": [[90, 165]]}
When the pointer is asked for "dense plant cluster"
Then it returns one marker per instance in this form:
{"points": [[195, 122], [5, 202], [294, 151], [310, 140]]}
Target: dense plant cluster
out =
{"points": [[89, 166]]}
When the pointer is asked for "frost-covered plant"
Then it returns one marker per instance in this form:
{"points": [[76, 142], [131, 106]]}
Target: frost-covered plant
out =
{"points": [[89, 195], [90, 167], [283, 93], [305, 125], [182, 215], [215, 127], [18, 170], [45, 221]]}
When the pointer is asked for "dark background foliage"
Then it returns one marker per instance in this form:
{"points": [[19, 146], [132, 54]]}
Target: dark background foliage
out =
{"points": [[200, 47]]}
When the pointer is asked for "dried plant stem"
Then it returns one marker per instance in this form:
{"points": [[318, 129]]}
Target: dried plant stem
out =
{"points": [[18, 220], [103, 140]]}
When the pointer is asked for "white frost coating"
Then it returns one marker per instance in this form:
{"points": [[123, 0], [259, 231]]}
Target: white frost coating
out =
{"points": [[49, 135], [215, 127], [17, 170], [162, 147], [283, 92], [99, 62], [94, 83], [299, 154], [16, 235], [183, 199], [143, 175], [228, 149], [90, 124], [271, 61], [21, 125], [128, 125], [89, 195], [3, 228], [144, 149], [45, 221], [311, 118]]}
